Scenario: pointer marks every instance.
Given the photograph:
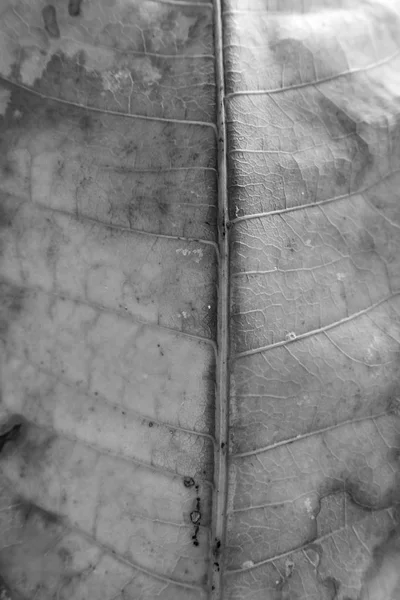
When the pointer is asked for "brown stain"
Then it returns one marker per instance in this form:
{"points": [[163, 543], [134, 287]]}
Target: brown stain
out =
{"points": [[340, 123], [65, 77], [382, 578], [6, 211], [5, 591], [31, 449], [49, 16], [74, 8], [12, 306], [294, 58], [29, 511]]}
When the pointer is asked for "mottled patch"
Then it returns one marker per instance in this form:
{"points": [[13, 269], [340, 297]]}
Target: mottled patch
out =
{"points": [[32, 449], [295, 59], [382, 578], [5, 591]]}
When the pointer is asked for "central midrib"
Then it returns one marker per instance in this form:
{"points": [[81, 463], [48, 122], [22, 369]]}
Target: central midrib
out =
{"points": [[222, 371]]}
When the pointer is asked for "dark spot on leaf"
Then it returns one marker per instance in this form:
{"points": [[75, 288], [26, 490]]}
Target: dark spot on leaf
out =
{"points": [[12, 303], [85, 123], [29, 511], [151, 424], [333, 585], [74, 7], [289, 567], [195, 517], [8, 209], [296, 60], [49, 15], [340, 179], [188, 482], [5, 592], [10, 435], [65, 556], [340, 123]]}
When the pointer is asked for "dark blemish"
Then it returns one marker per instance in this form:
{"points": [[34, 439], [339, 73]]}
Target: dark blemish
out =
{"points": [[295, 58], [195, 517], [217, 548], [5, 218], [289, 568], [123, 412], [5, 592], [74, 7], [12, 299], [151, 424], [65, 556], [86, 123], [213, 587], [333, 585], [216, 565], [223, 445], [163, 207], [188, 482], [340, 179], [10, 430], [194, 536], [8, 170], [50, 21], [52, 115], [383, 563], [338, 122], [29, 511], [366, 242]]}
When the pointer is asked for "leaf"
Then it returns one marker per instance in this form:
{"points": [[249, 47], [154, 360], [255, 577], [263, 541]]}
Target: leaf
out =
{"points": [[312, 121], [109, 280], [199, 308]]}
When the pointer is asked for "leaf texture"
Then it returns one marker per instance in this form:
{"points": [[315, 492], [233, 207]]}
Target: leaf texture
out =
{"points": [[199, 316], [109, 288], [312, 123]]}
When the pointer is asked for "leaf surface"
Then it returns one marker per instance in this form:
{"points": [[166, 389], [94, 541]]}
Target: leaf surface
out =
{"points": [[109, 282], [199, 317], [312, 121]]}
